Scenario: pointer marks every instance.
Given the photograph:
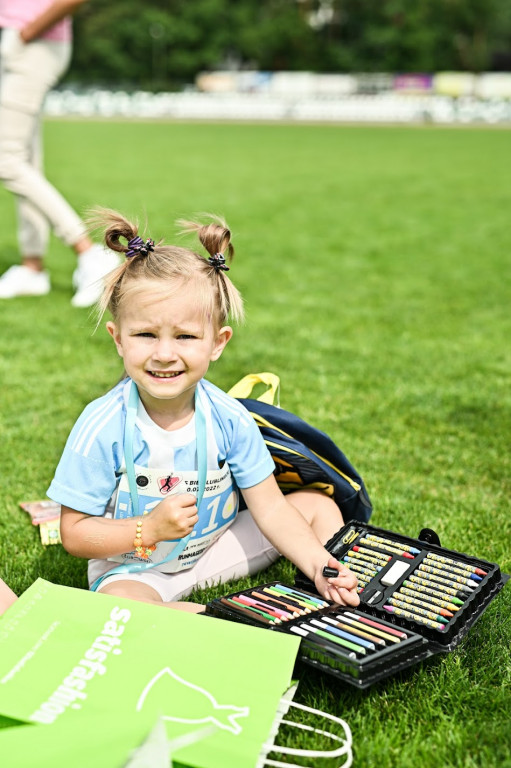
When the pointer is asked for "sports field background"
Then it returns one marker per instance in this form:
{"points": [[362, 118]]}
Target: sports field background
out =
{"points": [[374, 262]]}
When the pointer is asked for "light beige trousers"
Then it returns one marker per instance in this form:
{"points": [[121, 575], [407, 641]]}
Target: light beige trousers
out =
{"points": [[27, 73]]}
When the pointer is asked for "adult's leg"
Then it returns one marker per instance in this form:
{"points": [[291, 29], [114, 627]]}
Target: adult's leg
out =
{"points": [[28, 73]]}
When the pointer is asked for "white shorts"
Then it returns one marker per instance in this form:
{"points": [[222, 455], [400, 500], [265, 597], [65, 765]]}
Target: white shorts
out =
{"points": [[241, 551]]}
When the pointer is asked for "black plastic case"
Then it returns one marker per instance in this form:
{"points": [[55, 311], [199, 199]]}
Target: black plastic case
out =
{"points": [[420, 641]]}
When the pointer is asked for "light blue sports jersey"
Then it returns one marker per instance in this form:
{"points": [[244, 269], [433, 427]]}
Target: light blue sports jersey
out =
{"points": [[92, 462]]}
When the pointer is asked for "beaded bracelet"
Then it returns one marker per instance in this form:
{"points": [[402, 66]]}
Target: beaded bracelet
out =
{"points": [[140, 550]]}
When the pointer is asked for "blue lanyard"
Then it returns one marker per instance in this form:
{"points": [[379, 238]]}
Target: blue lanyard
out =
{"points": [[129, 431]]}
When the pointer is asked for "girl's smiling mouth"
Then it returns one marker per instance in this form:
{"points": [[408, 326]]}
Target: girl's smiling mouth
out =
{"points": [[165, 374]]}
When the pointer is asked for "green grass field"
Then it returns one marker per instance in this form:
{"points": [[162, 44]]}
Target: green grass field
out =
{"points": [[375, 267]]}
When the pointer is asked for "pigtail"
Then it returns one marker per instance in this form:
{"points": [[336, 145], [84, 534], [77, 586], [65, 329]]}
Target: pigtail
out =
{"points": [[114, 227], [215, 237]]}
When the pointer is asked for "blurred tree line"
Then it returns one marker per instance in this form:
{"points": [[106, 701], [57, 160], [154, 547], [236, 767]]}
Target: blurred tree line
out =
{"points": [[163, 44]]}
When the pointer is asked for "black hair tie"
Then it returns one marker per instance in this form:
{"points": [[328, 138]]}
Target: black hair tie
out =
{"points": [[218, 262], [137, 246]]}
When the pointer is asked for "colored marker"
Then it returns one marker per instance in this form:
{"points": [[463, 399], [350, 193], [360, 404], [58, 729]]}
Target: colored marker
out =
{"points": [[291, 609], [354, 631], [356, 642], [376, 625], [449, 578], [323, 643], [455, 593], [443, 607], [372, 537], [415, 617], [457, 563], [301, 596], [246, 611], [444, 567], [329, 573], [416, 609], [245, 604], [334, 639], [396, 550]]}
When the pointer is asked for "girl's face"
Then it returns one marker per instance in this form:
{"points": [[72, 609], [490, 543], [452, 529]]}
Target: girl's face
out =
{"points": [[167, 347]]}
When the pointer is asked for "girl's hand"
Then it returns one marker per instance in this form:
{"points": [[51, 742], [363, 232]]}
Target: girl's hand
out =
{"points": [[341, 589], [172, 518]]}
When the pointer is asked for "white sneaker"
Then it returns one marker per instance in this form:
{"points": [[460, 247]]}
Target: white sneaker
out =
{"points": [[92, 267], [23, 281]]}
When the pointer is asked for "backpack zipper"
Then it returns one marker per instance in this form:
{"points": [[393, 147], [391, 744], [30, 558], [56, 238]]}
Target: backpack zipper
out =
{"points": [[353, 484]]}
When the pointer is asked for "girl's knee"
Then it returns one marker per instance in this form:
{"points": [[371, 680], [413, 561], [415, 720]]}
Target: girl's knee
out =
{"points": [[319, 510], [133, 590]]}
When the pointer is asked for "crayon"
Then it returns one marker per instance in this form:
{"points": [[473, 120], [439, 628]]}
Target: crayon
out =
{"points": [[354, 631], [442, 606], [291, 600], [301, 596], [362, 577], [457, 563], [395, 550], [371, 553], [358, 568], [292, 609], [427, 590], [452, 569], [416, 609], [392, 543], [242, 603], [372, 559], [357, 642], [377, 625], [451, 579], [455, 593], [334, 639], [415, 617], [323, 643], [246, 611]]}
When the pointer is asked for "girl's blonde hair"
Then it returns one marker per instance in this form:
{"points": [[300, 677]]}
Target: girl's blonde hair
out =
{"points": [[174, 267]]}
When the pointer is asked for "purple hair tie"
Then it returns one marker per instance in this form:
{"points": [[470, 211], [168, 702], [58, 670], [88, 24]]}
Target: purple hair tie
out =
{"points": [[218, 262], [137, 246]]}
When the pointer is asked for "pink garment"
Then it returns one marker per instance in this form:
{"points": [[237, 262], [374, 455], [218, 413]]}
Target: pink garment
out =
{"points": [[16, 13]]}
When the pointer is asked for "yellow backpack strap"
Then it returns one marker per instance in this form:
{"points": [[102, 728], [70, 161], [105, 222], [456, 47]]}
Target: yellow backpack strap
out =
{"points": [[245, 386]]}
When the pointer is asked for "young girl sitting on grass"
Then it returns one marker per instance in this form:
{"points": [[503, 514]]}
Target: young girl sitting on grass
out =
{"points": [[151, 471]]}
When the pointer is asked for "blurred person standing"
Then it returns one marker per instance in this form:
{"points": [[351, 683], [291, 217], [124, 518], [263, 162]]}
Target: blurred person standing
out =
{"points": [[35, 51]]}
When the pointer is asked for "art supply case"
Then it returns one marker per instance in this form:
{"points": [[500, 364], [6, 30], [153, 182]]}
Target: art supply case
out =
{"points": [[420, 640]]}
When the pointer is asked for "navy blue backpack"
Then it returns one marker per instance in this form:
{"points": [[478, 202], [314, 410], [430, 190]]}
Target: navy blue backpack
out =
{"points": [[304, 456]]}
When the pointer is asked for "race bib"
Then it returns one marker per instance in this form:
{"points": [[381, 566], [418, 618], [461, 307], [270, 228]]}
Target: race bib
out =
{"points": [[218, 510]]}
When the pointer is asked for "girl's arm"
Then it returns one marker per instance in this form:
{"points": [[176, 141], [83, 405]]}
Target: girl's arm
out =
{"points": [[99, 537], [290, 533], [54, 13]]}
